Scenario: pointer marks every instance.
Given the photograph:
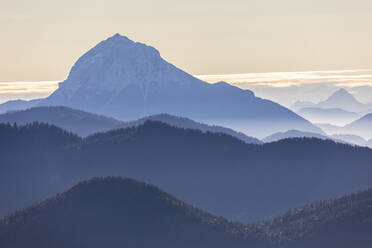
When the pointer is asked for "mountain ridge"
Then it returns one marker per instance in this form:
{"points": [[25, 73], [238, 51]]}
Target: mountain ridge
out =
{"points": [[293, 134], [334, 116], [361, 127], [266, 172], [117, 212], [340, 99], [85, 123], [15, 105], [129, 80]]}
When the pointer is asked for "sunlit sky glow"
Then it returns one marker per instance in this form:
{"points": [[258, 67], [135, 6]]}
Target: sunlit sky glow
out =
{"points": [[345, 78], [237, 41], [26, 90], [282, 87], [289, 87], [41, 39]]}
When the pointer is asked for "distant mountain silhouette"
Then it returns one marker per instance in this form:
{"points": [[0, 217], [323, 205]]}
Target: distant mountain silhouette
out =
{"points": [[115, 212], [329, 128], [344, 100], [214, 171], [340, 99], [14, 105], [128, 80], [293, 134], [368, 110], [361, 127], [84, 123], [301, 104], [357, 132], [350, 138], [332, 116]]}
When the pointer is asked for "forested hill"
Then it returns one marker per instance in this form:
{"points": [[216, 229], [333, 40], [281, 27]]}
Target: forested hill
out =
{"points": [[116, 212], [33, 136], [339, 222], [213, 171]]}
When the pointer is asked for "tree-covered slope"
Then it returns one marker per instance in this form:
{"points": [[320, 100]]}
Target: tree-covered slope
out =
{"points": [[213, 171], [116, 212], [339, 222]]}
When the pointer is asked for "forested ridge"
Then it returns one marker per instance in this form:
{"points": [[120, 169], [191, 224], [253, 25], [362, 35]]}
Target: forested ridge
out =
{"points": [[213, 171], [119, 212]]}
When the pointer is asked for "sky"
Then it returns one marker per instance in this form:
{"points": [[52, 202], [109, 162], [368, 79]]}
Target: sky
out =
{"points": [[282, 87], [41, 39], [314, 86]]}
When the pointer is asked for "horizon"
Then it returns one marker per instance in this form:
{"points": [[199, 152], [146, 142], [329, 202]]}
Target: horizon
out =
{"points": [[313, 86], [283, 87]]}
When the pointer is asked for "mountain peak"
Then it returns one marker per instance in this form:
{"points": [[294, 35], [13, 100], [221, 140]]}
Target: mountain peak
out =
{"points": [[342, 92], [129, 80], [113, 65], [119, 38], [123, 42], [342, 99], [342, 95]]}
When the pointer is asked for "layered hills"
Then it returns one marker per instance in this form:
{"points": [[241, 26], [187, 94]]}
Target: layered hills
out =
{"points": [[118, 212], [213, 171], [128, 80], [84, 123]]}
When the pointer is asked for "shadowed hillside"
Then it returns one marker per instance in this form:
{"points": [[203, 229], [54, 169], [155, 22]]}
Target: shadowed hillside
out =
{"points": [[340, 222], [214, 171], [115, 212]]}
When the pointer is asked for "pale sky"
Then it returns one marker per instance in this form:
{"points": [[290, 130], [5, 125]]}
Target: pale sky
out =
{"points": [[282, 87], [41, 39]]}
